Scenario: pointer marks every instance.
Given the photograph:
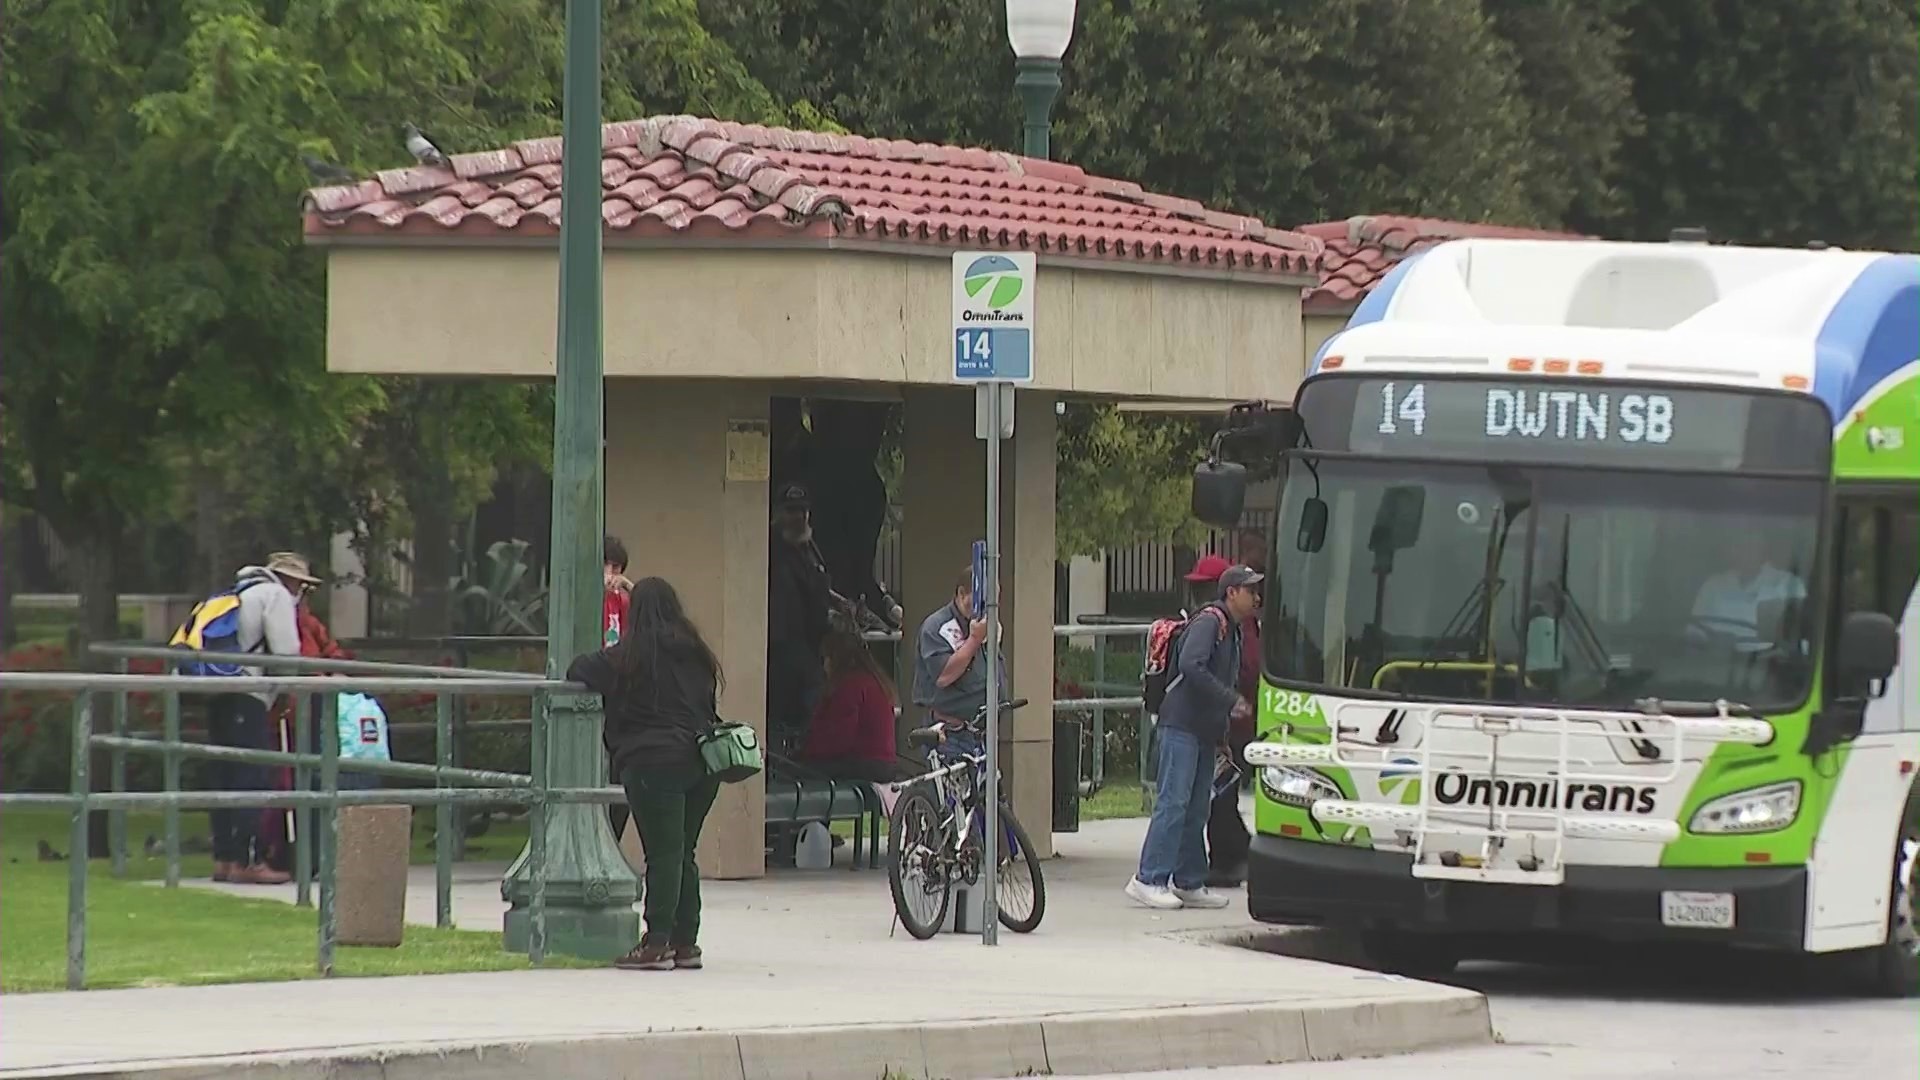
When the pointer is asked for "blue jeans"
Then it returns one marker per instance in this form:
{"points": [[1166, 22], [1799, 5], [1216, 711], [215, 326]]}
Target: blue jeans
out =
{"points": [[1176, 849]]}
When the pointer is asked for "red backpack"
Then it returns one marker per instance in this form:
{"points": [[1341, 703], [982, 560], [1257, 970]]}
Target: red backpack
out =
{"points": [[1163, 637]]}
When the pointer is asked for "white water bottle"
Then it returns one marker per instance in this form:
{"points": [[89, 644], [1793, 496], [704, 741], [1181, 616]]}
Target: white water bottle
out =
{"points": [[814, 851]]}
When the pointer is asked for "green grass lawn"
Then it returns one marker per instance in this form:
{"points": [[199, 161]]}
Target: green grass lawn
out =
{"points": [[140, 934]]}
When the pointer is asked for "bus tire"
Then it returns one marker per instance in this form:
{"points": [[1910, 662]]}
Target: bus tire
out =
{"points": [[1416, 956], [1892, 969]]}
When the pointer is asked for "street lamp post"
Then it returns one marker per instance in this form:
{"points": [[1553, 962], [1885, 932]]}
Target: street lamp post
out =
{"points": [[1039, 31], [590, 889]]}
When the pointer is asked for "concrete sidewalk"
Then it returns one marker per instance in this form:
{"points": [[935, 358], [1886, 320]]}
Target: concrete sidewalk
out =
{"points": [[803, 980]]}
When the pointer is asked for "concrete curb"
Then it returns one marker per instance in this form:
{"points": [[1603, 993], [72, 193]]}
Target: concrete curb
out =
{"points": [[1067, 1044]]}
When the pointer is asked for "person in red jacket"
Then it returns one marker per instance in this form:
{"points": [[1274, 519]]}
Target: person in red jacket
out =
{"points": [[615, 604], [277, 826], [852, 736], [613, 609]]}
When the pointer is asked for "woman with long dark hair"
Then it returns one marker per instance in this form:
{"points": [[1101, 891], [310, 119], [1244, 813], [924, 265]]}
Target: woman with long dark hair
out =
{"points": [[661, 683], [852, 734]]}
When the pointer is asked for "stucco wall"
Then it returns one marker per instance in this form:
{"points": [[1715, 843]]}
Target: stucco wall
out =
{"points": [[850, 315]]}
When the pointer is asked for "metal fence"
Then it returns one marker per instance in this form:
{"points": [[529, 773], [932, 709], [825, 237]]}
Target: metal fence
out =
{"points": [[308, 680], [475, 787]]}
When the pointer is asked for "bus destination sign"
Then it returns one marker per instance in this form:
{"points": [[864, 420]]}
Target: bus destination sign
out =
{"points": [[1676, 427]]}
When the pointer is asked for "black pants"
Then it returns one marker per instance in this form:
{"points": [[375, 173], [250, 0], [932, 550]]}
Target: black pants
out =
{"points": [[1227, 838], [238, 720], [794, 686]]}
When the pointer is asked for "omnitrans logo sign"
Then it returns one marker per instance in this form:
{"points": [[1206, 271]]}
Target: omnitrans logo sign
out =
{"points": [[994, 285], [1459, 789], [993, 315]]}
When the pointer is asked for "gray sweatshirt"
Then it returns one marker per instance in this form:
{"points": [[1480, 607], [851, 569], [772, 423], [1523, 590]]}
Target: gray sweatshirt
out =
{"points": [[268, 622]]}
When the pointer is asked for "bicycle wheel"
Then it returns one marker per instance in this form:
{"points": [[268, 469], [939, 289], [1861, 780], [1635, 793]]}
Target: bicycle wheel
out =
{"points": [[1020, 890], [922, 888]]}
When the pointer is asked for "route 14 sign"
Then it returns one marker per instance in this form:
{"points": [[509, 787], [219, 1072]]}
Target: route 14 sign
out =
{"points": [[993, 316]]}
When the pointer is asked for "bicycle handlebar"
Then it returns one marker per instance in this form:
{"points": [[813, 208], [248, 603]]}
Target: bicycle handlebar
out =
{"points": [[1005, 707]]}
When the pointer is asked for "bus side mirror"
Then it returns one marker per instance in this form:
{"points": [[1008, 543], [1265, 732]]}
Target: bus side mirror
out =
{"points": [[1868, 649], [1864, 654], [1312, 535], [1219, 493]]}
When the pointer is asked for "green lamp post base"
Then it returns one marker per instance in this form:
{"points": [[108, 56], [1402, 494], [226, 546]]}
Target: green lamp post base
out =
{"points": [[591, 889], [605, 933]]}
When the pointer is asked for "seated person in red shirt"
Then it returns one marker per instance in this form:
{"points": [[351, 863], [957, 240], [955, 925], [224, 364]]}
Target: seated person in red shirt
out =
{"points": [[852, 734]]}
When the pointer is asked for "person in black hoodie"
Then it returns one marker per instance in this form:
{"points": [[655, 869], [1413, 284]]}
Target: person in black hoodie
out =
{"points": [[799, 599], [661, 683]]}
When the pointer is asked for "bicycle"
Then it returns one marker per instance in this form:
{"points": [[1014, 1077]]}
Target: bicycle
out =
{"points": [[934, 837]]}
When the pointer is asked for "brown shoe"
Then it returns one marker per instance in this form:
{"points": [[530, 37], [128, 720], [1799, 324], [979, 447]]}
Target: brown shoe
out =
{"points": [[688, 957], [223, 871], [259, 875], [647, 958]]}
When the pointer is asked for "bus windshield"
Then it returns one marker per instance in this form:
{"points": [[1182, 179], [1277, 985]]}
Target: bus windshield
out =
{"points": [[1543, 584]]}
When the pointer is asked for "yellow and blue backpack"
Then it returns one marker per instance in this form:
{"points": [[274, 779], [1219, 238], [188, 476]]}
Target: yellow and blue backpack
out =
{"points": [[212, 626]]}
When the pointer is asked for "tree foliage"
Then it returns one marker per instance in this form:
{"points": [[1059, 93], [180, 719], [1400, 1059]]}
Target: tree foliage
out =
{"points": [[165, 326], [1123, 477], [1291, 111], [1775, 123]]}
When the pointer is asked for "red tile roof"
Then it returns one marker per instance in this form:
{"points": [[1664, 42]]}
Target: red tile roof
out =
{"points": [[678, 176], [1361, 250]]}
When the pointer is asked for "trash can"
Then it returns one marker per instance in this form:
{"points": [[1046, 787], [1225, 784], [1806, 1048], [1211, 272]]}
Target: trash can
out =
{"points": [[370, 875], [1066, 775]]}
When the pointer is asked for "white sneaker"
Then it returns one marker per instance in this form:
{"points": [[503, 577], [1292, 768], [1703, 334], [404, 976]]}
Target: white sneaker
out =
{"points": [[1153, 896], [1201, 897]]}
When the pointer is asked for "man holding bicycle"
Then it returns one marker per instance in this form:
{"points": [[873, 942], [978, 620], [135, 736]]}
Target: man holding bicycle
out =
{"points": [[950, 669]]}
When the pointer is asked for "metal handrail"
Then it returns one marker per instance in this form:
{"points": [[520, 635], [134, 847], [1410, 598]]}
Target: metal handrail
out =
{"points": [[486, 786], [312, 680], [80, 682], [269, 662]]}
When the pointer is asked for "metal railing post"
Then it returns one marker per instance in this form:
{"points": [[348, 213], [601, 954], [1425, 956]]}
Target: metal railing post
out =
{"points": [[463, 657], [537, 836], [443, 815], [82, 780], [329, 830], [302, 846], [117, 782], [1099, 711], [170, 781]]}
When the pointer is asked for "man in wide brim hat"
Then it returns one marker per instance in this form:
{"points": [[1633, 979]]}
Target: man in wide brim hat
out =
{"points": [[269, 623], [292, 567]]}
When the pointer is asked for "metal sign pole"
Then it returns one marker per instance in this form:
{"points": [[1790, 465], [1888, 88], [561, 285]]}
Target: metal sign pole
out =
{"points": [[990, 842], [993, 320]]}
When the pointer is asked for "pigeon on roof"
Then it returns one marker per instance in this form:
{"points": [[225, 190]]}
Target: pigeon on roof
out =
{"points": [[423, 149]]}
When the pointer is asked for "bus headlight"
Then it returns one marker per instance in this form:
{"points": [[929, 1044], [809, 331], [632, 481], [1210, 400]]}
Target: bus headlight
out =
{"points": [[1756, 810], [1291, 785]]}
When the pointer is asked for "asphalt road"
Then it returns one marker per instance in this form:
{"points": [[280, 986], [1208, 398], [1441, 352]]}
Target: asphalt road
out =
{"points": [[1701, 1016]]}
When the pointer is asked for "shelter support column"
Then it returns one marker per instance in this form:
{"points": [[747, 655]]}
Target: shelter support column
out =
{"points": [[687, 493], [943, 491]]}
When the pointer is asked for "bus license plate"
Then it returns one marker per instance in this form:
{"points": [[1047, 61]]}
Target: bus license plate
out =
{"points": [[1697, 910]]}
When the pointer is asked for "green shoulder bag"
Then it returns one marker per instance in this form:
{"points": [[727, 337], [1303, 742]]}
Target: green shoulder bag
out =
{"points": [[731, 752]]}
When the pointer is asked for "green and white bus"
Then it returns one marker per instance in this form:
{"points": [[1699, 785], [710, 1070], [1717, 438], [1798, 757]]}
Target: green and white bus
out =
{"points": [[1591, 609]]}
